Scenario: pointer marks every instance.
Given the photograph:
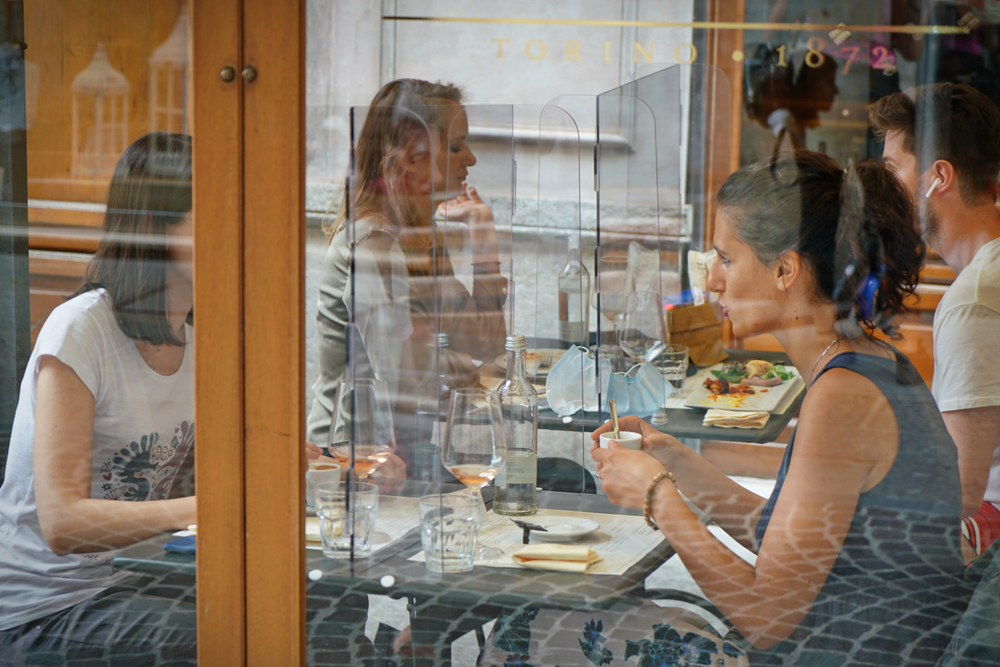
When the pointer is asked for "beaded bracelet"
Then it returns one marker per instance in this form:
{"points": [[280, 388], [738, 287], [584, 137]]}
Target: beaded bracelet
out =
{"points": [[649, 496]]}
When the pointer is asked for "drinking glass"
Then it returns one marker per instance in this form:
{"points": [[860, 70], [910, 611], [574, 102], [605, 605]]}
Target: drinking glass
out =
{"points": [[614, 283], [361, 436], [347, 512], [643, 332], [448, 525], [474, 449], [672, 363]]}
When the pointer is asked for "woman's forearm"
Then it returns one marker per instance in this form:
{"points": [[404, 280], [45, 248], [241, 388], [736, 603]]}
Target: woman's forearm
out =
{"points": [[733, 507], [90, 525]]}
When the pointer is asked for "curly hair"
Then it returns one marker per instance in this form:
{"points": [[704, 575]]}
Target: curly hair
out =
{"points": [[853, 228]]}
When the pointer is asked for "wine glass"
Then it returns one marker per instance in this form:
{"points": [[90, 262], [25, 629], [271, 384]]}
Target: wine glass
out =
{"points": [[361, 431], [614, 283], [474, 449], [643, 332]]}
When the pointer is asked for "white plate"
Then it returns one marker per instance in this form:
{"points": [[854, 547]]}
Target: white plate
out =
{"points": [[550, 355], [760, 401], [562, 528]]}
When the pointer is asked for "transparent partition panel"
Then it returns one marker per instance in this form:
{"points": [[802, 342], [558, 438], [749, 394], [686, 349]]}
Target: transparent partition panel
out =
{"points": [[638, 256], [96, 359], [563, 251]]}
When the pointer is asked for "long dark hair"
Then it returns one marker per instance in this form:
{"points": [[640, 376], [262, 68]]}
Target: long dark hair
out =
{"points": [[150, 190], [853, 228]]}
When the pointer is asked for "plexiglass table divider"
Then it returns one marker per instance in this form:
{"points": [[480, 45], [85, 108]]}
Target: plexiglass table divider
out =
{"points": [[419, 257]]}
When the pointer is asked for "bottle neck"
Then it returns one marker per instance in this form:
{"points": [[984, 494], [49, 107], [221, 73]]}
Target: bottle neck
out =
{"points": [[573, 254], [515, 365]]}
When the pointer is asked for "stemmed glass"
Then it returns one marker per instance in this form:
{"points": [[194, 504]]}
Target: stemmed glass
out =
{"points": [[362, 418], [474, 449], [614, 283], [643, 332]]}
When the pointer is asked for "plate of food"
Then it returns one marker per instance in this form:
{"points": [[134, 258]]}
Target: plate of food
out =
{"points": [[536, 362], [754, 385]]}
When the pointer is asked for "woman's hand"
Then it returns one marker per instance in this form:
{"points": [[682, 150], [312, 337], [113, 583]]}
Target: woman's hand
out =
{"points": [[656, 444], [470, 209], [390, 476], [625, 474]]}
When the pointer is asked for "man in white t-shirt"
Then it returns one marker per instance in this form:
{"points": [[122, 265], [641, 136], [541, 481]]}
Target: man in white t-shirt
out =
{"points": [[943, 141]]}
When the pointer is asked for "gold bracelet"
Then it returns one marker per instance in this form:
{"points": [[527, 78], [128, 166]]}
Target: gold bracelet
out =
{"points": [[646, 514]]}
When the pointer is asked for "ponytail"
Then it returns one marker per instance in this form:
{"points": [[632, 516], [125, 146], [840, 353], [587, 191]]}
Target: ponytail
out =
{"points": [[878, 250]]}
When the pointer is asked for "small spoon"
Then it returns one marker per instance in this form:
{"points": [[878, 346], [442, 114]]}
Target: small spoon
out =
{"points": [[614, 416]]}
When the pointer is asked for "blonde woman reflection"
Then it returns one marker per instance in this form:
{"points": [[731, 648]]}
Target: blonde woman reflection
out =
{"points": [[857, 550], [412, 159]]}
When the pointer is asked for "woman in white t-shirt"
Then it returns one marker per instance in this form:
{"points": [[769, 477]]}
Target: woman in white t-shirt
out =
{"points": [[105, 415]]}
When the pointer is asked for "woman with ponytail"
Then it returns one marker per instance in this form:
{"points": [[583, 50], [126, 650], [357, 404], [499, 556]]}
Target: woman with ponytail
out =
{"points": [[857, 549]]}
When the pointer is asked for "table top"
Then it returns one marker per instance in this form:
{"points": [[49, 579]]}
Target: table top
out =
{"points": [[388, 572], [687, 422]]}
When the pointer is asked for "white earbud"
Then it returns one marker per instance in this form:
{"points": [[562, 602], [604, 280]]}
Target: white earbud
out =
{"points": [[934, 186]]}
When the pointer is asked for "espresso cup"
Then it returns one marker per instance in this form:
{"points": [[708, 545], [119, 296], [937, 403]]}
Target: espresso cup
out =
{"points": [[320, 472], [626, 439]]}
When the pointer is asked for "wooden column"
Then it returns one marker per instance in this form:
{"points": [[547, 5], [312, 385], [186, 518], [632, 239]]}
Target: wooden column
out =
{"points": [[274, 330], [724, 112], [218, 301]]}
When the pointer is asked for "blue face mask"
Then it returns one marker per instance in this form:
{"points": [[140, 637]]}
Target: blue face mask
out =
{"points": [[638, 392], [572, 382]]}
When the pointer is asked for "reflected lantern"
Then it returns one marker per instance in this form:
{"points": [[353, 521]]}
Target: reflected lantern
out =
{"points": [[100, 117], [168, 76]]}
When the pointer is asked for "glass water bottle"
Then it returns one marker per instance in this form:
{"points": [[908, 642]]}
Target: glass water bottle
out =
{"points": [[433, 396], [515, 485]]}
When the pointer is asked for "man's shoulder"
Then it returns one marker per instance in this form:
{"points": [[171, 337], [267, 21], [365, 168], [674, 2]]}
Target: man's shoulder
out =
{"points": [[978, 284]]}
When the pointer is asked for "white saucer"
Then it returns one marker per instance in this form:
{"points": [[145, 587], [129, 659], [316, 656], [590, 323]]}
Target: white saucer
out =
{"points": [[562, 528]]}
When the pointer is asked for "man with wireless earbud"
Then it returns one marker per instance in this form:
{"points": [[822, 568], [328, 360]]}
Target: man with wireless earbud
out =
{"points": [[943, 141]]}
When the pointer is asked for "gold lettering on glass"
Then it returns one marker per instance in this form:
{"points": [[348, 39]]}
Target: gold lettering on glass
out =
{"points": [[637, 49], [527, 49], [607, 52], [692, 53], [573, 50], [500, 41]]}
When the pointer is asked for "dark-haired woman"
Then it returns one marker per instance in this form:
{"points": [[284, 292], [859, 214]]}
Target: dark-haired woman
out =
{"points": [[105, 415], [857, 550]]}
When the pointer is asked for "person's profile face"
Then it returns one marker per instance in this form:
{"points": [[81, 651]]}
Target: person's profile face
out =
{"points": [[455, 157], [744, 284], [904, 164]]}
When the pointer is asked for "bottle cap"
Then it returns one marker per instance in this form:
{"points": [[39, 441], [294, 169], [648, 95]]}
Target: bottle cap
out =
{"points": [[515, 343]]}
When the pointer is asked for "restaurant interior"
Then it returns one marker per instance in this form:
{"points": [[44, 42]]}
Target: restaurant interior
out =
{"points": [[412, 263]]}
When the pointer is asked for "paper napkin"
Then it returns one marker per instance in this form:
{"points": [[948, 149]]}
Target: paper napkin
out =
{"points": [[735, 419], [312, 530], [556, 557]]}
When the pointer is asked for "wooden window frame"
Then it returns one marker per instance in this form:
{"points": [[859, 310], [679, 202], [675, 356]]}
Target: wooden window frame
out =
{"points": [[249, 294]]}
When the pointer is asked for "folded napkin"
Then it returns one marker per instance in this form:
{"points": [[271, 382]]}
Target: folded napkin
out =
{"points": [[312, 530], [735, 419], [556, 557]]}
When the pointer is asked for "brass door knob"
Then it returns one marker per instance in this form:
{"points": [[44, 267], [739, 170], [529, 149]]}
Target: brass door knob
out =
{"points": [[249, 73], [227, 74]]}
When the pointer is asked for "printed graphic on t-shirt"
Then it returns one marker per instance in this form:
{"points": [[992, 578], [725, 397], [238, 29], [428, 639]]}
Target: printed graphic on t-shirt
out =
{"points": [[145, 469]]}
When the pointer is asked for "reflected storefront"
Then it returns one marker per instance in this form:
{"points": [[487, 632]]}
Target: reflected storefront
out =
{"points": [[424, 253]]}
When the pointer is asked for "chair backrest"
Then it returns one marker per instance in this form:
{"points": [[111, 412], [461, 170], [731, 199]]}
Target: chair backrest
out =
{"points": [[558, 474]]}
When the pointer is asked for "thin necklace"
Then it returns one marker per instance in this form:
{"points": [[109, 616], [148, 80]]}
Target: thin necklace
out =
{"points": [[821, 355]]}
